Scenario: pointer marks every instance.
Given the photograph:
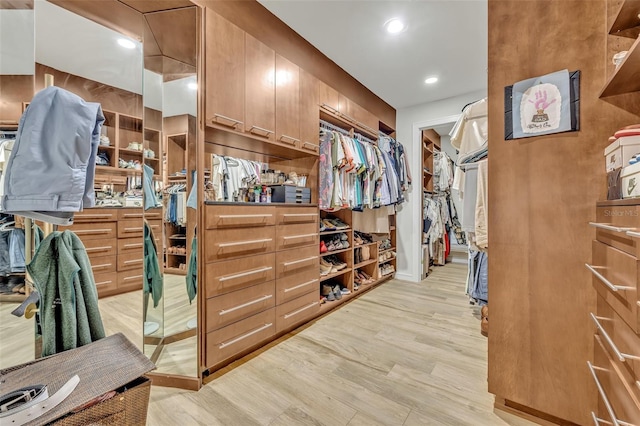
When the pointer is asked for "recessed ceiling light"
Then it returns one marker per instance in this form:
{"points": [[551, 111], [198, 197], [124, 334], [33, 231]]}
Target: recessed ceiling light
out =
{"points": [[192, 86], [126, 43], [431, 80], [394, 26]]}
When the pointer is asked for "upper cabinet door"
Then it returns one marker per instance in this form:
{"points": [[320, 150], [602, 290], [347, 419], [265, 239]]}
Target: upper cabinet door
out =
{"points": [[260, 76], [309, 111], [287, 102], [225, 72], [329, 97]]}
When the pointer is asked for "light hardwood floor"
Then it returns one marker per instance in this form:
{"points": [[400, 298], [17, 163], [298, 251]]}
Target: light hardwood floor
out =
{"points": [[401, 354]]}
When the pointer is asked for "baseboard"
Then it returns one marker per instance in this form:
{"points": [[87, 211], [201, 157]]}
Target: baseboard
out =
{"points": [[522, 411]]}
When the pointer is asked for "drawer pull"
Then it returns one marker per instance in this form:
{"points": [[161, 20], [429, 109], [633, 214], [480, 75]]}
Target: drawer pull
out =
{"points": [[129, 262], [137, 245], [105, 265], [621, 356], [134, 215], [244, 336], [610, 227], [289, 315], [233, 120], [330, 108], [244, 274], [313, 146], [239, 243], [299, 215], [232, 216], [612, 287], [603, 395], [244, 305], [137, 229], [93, 231], [286, 290], [94, 216], [92, 249], [266, 132], [633, 234], [295, 237], [103, 283], [135, 277], [295, 262], [291, 139]]}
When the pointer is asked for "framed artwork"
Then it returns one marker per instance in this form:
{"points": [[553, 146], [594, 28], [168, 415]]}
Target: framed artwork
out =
{"points": [[542, 105]]}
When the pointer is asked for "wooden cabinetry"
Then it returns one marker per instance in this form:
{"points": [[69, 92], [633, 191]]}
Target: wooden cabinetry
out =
{"points": [[309, 112], [615, 366], [113, 240], [225, 72], [249, 279], [259, 89], [287, 102], [430, 145]]}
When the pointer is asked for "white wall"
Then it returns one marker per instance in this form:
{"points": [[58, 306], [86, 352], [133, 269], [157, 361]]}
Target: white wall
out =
{"points": [[409, 221], [17, 45]]}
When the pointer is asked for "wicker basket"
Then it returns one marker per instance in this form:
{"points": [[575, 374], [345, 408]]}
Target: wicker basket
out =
{"points": [[112, 363]]}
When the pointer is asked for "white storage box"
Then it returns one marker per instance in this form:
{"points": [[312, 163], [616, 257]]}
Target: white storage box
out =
{"points": [[631, 181], [133, 202], [619, 152]]}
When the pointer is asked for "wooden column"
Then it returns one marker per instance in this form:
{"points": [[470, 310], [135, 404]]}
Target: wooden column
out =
{"points": [[542, 195]]}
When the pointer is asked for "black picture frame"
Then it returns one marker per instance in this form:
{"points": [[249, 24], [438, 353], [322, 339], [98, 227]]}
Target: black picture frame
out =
{"points": [[574, 105]]}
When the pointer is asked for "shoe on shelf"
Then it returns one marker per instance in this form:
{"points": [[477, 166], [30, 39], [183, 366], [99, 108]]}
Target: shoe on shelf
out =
{"points": [[356, 286], [343, 236], [324, 264], [345, 291], [323, 247], [330, 297], [328, 225], [325, 270], [337, 293]]}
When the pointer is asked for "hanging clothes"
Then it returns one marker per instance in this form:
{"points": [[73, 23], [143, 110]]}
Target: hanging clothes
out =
{"points": [[69, 314], [50, 173], [153, 284]]}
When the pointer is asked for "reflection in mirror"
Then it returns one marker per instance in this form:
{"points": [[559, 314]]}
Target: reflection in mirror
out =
{"points": [[17, 69], [170, 74], [99, 65]]}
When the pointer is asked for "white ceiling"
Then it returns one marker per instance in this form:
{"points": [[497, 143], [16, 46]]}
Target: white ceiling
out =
{"points": [[444, 38]]}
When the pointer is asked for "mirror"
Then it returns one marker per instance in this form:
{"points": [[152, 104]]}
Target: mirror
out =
{"points": [[17, 70], [99, 65], [170, 94]]}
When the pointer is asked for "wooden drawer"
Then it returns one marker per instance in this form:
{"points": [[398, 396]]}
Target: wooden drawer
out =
{"points": [[232, 275], [240, 336], [131, 246], [103, 264], [92, 231], [129, 213], [223, 244], [297, 311], [130, 261], [292, 262], [95, 215], [615, 277], [231, 307], [153, 214], [105, 283], [612, 224], [239, 216], [293, 215], [156, 228], [131, 228], [297, 284], [295, 236], [616, 332], [99, 248], [130, 280], [624, 404]]}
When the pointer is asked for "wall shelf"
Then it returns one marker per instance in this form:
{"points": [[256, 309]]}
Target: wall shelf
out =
{"points": [[626, 78]]}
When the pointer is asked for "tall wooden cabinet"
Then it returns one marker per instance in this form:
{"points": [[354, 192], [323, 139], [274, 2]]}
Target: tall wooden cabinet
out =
{"points": [[259, 92], [288, 92]]}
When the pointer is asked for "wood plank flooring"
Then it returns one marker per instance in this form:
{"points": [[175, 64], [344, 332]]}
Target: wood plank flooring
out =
{"points": [[402, 354]]}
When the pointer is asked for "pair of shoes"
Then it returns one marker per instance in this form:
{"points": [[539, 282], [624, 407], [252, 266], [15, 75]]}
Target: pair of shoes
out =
{"points": [[386, 269], [327, 268], [362, 238], [327, 225], [338, 242], [334, 262], [361, 277], [385, 244], [386, 256], [334, 224], [331, 292], [357, 255]]}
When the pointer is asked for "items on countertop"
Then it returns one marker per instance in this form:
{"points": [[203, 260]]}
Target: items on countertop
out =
{"points": [[622, 163]]}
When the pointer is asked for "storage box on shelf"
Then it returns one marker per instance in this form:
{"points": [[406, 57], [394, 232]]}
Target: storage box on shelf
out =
{"points": [[615, 366]]}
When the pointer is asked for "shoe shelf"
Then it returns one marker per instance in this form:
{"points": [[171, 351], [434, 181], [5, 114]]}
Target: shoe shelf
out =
{"points": [[337, 231], [386, 260], [385, 251], [176, 254], [365, 244], [335, 274], [328, 253], [365, 263]]}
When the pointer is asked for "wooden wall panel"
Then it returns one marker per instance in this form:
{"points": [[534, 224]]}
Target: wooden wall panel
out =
{"points": [[256, 20], [542, 195], [14, 90]]}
